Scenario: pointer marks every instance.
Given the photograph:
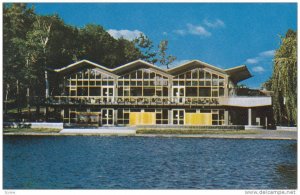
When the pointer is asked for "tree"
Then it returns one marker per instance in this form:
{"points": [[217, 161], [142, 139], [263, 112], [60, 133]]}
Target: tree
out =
{"points": [[165, 60], [145, 45], [284, 82], [267, 85], [126, 51], [17, 21]]}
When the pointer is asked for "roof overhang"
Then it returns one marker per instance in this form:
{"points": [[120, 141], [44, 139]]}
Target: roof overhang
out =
{"points": [[83, 64], [238, 73], [192, 65], [126, 68]]}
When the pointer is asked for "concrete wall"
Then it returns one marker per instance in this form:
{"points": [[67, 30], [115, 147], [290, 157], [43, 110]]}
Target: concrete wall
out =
{"points": [[286, 128], [246, 101], [33, 125]]}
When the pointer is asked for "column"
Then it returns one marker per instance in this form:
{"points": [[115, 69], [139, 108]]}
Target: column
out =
{"points": [[249, 116], [62, 113], [47, 84], [170, 84], [226, 118], [170, 116], [115, 119]]}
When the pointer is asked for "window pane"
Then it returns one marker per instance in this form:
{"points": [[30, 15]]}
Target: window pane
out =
{"points": [[221, 91], [195, 74], [204, 91], [95, 91], [201, 74], [188, 75], [191, 92], [149, 91], [207, 75]]}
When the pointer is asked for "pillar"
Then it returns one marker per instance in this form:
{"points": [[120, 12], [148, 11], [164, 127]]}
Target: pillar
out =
{"points": [[170, 116], [62, 114], [226, 118], [47, 84], [115, 119], [249, 116]]}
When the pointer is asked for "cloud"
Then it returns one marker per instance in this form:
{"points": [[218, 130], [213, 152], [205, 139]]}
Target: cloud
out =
{"points": [[193, 30], [252, 61], [258, 69], [180, 31], [126, 34], [214, 24], [269, 53], [179, 62], [197, 30], [262, 56]]}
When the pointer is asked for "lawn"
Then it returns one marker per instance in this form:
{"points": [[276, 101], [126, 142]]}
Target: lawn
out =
{"points": [[237, 132], [29, 130]]}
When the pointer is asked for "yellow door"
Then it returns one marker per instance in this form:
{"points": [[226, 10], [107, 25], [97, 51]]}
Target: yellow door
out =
{"points": [[198, 118], [142, 118], [148, 118], [134, 118]]}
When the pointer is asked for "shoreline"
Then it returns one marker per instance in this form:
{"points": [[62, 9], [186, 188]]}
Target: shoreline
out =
{"points": [[262, 135]]}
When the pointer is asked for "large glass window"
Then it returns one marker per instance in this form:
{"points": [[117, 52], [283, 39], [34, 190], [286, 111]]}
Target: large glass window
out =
{"points": [[87, 82], [144, 82], [201, 82]]}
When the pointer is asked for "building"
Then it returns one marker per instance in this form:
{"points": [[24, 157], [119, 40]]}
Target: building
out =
{"points": [[140, 93]]}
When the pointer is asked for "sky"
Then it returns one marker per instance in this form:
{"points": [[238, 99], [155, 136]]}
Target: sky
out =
{"points": [[221, 34]]}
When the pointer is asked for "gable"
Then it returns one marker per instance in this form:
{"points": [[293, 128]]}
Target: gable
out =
{"points": [[138, 64], [83, 64], [193, 65]]}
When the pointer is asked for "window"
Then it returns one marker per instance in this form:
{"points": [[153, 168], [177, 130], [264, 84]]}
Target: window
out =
{"points": [[204, 91], [191, 92]]}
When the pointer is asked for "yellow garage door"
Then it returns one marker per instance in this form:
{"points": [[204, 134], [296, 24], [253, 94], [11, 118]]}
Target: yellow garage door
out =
{"points": [[142, 118], [198, 118]]}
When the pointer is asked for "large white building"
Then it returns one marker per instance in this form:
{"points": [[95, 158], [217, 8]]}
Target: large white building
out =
{"points": [[140, 93]]}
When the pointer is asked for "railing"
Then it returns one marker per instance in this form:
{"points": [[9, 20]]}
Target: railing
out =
{"points": [[132, 100], [247, 101]]}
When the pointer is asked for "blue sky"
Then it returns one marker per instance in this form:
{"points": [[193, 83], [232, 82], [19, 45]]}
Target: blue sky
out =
{"points": [[221, 34]]}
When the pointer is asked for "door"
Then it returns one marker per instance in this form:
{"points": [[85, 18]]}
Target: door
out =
{"points": [[107, 117], [178, 117], [198, 119], [178, 94], [142, 118], [108, 93]]}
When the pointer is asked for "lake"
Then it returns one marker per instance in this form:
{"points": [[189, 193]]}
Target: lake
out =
{"points": [[94, 162]]}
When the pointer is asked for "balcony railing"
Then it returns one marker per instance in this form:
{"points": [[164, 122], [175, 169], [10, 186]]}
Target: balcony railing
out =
{"points": [[247, 101], [132, 100]]}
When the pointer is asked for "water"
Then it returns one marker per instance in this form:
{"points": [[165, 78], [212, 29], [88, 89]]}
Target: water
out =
{"points": [[91, 162]]}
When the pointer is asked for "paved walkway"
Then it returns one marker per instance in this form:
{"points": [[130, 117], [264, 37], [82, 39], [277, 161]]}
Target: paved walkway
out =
{"points": [[261, 134]]}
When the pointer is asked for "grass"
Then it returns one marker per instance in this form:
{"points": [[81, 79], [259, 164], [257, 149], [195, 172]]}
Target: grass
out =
{"points": [[29, 130], [232, 132]]}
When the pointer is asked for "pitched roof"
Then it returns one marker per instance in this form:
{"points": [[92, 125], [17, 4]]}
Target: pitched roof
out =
{"points": [[191, 65], [137, 64], [237, 74], [81, 64]]}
